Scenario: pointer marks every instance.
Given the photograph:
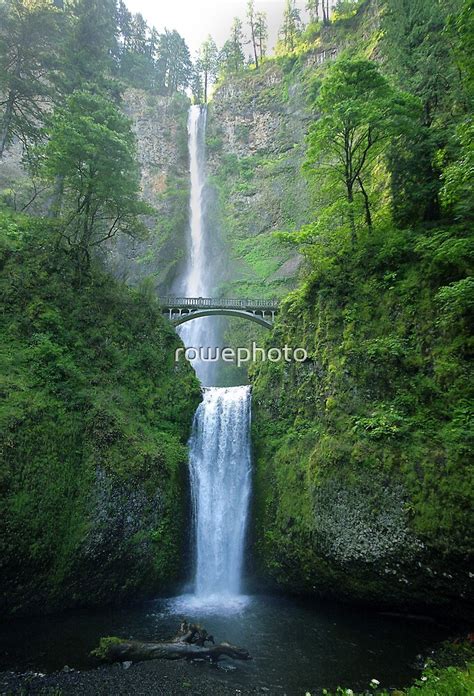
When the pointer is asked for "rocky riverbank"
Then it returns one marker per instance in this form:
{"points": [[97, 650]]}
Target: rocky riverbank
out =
{"points": [[141, 679]]}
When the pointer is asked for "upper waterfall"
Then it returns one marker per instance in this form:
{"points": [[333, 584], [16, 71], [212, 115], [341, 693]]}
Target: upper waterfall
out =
{"points": [[197, 279]]}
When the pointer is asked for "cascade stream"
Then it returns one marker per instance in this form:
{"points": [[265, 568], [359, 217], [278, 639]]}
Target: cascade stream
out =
{"points": [[220, 441]]}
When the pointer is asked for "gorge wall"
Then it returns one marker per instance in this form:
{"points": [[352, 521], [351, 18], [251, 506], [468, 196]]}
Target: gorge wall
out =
{"points": [[96, 419], [160, 126], [361, 453]]}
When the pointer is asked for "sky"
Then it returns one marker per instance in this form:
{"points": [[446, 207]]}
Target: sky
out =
{"points": [[196, 19]]}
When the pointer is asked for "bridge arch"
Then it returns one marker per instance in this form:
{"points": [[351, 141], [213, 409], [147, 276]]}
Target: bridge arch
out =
{"points": [[182, 309], [242, 314]]}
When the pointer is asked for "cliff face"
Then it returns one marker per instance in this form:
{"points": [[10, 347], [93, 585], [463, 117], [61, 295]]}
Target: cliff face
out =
{"points": [[160, 125], [256, 133], [94, 430], [362, 472]]}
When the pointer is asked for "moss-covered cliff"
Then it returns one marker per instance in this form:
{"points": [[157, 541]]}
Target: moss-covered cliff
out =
{"points": [[362, 471], [94, 423], [255, 141]]}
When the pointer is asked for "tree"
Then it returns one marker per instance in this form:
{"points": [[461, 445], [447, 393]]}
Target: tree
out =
{"points": [[231, 57], [261, 32], [326, 11], [358, 114], [174, 62], [208, 63], [426, 69], [291, 27], [196, 82], [29, 34], [139, 32], [312, 7], [124, 22], [91, 147], [91, 46], [252, 20]]}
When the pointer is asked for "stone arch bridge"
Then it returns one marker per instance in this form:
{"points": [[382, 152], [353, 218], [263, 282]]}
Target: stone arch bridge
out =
{"points": [[182, 309]]}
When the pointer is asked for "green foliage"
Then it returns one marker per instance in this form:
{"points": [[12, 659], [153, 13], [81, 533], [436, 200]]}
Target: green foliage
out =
{"points": [[419, 53], [434, 682], [458, 175], [91, 149], [102, 651], [207, 67], [93, 444], [49, 49], [385, 393], [358, 112], [29, 34], [291, 27], [231, 58]]}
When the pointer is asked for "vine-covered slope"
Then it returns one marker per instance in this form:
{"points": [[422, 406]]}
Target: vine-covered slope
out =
{"points": [[94, 424], [363, 478]]}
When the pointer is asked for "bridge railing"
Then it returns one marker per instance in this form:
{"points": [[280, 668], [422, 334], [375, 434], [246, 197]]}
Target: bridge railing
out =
{"points": [[217, 303]]}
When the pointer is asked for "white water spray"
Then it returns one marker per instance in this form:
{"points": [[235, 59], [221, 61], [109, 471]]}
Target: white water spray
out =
{"points": [[220, 486], [197, 279], [220, 442]]}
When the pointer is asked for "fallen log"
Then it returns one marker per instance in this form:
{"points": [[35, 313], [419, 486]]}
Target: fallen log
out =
{"points": [[189, 643]]}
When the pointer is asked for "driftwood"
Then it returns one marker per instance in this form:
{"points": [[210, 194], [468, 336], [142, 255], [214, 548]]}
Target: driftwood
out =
{"points": [[189, 643]]}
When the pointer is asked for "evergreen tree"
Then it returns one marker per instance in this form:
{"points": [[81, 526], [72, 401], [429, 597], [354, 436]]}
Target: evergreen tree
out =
{"points": [[124, 22], [29, 35], [196, 82], [312, 7], [176, 66], [208, 64], [291, 27], [261, 32], [326, 11], [91, 47], [231, 57], [252, 20]]}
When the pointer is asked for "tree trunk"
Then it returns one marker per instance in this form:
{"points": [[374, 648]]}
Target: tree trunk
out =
{"points": [[368, 216], [55, 202], [188, 644], [6, 122], [325, 4], [350, 200], [254, 44]]}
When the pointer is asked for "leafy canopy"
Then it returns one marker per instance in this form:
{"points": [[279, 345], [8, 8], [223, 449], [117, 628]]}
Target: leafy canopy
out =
{"points": [[92, 149]]}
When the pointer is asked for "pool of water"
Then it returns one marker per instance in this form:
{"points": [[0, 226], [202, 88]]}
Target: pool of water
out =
{"points": [[295, 645]]}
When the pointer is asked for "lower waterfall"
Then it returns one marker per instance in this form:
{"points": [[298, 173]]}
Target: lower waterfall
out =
{"points": [[220, 487]]}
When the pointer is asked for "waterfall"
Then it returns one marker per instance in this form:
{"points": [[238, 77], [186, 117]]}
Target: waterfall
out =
{"points": [[197, 283], [197, 280], [220, 441], [220, 487]]}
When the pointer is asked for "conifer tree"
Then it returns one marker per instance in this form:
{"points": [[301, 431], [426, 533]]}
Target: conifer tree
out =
{"points": [[291, 27], [252, 20], [29, 37], [261, 31], [208, 64]]}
